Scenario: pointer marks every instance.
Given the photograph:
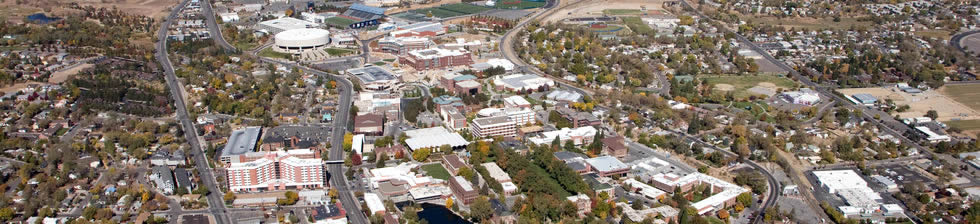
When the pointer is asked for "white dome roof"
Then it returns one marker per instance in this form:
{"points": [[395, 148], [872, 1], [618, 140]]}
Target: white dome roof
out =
{"points": [[303, 37]]}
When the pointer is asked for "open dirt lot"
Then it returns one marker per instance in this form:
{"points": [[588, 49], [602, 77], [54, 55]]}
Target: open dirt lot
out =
{"points": [[62, 75], [749, 85], [596, 8], [971, 43], [15, 12], [947, 107]]}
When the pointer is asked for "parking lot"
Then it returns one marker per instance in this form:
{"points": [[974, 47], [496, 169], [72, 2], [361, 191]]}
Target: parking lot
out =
{"points": [[902, 174]]}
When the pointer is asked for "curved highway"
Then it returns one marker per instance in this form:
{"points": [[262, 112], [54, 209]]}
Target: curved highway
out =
{"points": [[956, 40], [215, 199], [506, 46]]}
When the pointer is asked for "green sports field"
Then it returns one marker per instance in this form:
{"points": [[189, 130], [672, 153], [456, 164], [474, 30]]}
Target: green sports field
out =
{"points": [[436, 170]]}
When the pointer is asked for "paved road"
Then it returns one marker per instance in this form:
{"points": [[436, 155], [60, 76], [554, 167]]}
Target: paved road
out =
{"points": [[217, 207], [956, 40], [887, 124], [337, 178], [507, 47], [774, 186], [213, 27]]}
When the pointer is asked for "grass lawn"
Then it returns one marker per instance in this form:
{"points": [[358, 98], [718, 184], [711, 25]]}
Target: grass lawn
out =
{"points": [[638, 26], [755, 108], [965, 124], [517, 4], [380, 63], [436, 170], [966, 94], [339, 21], [742, 83], [714, 220], [609, 28], [438, 12], [339, 51], [60, 132], [269, 53], [464, 8], [615, 12]]}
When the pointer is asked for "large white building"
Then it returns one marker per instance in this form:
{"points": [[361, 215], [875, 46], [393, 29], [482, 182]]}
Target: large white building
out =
{"points": [[434, 137], [298, 41], [724, 193], [579, 136], [854, 190], [279, 170], [805, 96], [516, 101], [276, 26], [517, 82], [493, 126]]}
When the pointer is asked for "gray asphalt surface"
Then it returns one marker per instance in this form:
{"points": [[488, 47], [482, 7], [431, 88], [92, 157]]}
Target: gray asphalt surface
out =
{"points": [[217, 207]]}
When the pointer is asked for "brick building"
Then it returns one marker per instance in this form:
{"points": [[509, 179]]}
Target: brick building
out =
{"points": [[435, 58]]}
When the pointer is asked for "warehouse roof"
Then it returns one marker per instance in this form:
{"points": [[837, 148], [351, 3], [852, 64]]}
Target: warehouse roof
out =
{"points": [[433, 137], [606, 164]]}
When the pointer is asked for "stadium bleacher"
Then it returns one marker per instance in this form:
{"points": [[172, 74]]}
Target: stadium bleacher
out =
{"points": [[361, 12]]}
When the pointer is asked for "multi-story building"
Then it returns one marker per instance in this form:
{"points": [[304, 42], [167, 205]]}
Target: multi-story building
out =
{"points": [[582, 202], [578, 118], [463, 189], [520, 116], [493, 126], [278, 170], [454, 119], [369, 124], [435, 58], [403, 45], [615, 146]]}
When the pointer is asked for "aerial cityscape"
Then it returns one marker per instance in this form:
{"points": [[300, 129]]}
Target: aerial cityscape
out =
{"points": [[489, 111]]}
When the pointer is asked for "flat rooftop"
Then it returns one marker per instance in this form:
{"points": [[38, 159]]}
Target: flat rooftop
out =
{"points": [[242, 141], [486, 121], [372, 74]]}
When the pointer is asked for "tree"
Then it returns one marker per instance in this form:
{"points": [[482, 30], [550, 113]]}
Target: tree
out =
{"points": [[745, 199], [348, 141], [449, 202], [445, 148], [481, 209], [723, 214], [6, 213], [355, 159], [291, 198], [465, 172], [421, 154], [932, 114], [381, 160], [229, 197]]}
